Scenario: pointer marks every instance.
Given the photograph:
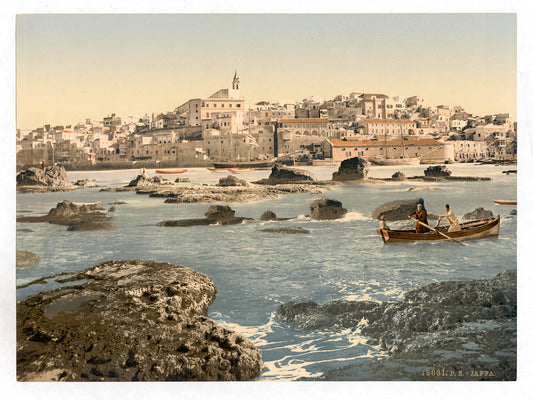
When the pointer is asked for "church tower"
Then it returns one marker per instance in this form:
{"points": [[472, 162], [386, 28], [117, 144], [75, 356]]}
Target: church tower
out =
{"points": [[235, 81]]}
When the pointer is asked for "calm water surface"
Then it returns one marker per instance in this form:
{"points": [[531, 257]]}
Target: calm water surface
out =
{"points": [[256, 272]]}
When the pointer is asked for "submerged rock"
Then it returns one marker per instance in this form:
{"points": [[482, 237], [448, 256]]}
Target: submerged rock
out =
{"points": [[432, 327], [352, 169], [132, 321], [285, 229], [26, 259], [478, 213], [325, 209], [77, 216]]}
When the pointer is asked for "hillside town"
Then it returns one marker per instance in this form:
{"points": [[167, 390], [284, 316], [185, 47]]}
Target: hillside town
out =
{"points": [[223, 127]]}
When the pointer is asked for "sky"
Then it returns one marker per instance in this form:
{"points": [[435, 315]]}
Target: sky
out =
{"points": [[75, 66]]}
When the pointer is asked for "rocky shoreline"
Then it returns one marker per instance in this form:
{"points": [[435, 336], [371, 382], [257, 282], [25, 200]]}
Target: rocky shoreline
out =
{"points": [[464, 330], [130, 321]]}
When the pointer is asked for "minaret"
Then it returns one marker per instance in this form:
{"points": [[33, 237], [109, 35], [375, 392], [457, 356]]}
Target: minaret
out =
{"points": [[235, 81]]}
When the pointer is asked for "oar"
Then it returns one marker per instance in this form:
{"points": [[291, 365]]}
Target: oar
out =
{"points": [[433, 229]]}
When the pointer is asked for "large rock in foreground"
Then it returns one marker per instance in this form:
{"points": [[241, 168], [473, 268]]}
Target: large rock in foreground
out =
{"points": [[133, 321], [52, 178], [396, 210], [467, 326], [351, 169], [327, 209]]}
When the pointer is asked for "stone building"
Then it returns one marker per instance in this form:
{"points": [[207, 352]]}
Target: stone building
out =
{"points": [[428, 150], [222, 110], [389, 127]]}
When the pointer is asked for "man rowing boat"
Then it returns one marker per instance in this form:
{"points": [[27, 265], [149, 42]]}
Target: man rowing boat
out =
{"points": [[452, 219], [421, 217]]}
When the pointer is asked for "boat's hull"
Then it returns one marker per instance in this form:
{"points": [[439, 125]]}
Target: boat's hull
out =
{"points": [[170, 171], [505, 202], [395, 161], [473, 230], [244, 164]]}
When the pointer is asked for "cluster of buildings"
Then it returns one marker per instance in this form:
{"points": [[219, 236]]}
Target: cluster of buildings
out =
{"points": [[222, 127]]}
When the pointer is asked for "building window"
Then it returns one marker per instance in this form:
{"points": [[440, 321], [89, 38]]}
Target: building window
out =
{"points": [[238, 105]]}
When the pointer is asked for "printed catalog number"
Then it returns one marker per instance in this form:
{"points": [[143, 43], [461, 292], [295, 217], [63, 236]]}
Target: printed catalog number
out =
{"points": [[458, 373]]}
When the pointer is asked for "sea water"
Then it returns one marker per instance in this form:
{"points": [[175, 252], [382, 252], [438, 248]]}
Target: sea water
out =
{"points": [[255, 272]]}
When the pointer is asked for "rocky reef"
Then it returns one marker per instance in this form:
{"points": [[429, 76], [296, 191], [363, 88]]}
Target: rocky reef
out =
{"points": [[466, 330], [130, 321], [76, 216], [51, 179], [215, 215]]}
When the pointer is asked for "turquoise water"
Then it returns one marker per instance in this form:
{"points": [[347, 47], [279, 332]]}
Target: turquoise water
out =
{"points": [[255, 272]]}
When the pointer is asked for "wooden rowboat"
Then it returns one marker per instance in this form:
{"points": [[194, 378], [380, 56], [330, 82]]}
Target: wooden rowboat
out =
{"points": [[170, 171], [473, 230], [505, 202]]}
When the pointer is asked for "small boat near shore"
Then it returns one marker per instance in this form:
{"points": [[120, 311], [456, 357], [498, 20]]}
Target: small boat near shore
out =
{"points": [[473, 230], [170, 171], [505, 202]]}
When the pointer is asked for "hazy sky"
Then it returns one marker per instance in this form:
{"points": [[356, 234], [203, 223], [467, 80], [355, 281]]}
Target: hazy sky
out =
{"points": [[72, 67]]}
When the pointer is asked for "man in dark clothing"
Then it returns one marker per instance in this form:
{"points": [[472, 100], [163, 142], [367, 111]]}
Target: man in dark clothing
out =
{"points": [[421, 216]]}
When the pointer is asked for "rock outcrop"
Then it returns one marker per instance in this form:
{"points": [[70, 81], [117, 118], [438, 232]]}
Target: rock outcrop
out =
{"points": [[53, 178], [221, 215], [231, 180], [324, 209], [85, 183], [478, 213], [351, 169], [398, 176], [144, 180], [76, 216], [396, 210], [271, 216], [451, 326], [130, 321], [437, 171], [282, 175]]}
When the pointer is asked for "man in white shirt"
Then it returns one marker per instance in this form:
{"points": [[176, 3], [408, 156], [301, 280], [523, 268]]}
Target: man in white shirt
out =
{"points": [[452, 219]]}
